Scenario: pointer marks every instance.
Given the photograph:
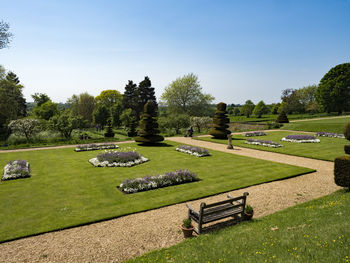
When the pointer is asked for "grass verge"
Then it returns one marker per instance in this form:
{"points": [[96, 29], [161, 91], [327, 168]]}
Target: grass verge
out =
{"points": [[65, 190], [328, 125], [327, 149], [316, 231]]}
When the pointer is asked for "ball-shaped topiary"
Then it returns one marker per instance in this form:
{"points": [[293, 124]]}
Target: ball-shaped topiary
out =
{"points": [[282, 118], [148, 132], [219, 128]]}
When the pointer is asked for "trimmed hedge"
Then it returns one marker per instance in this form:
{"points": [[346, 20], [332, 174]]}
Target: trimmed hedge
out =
{"points": [[347, 131], [342, 171], [347, 149]]}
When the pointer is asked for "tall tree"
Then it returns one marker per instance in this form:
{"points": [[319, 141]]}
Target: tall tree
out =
{"points": [[247, 108], [109, 98], [65, 122], [333, 92], [40, 98], [145, 93], [101, 115], [5, 35], [82, 104], [12, 102], [184, 95], [130, 96], [260, 109]]}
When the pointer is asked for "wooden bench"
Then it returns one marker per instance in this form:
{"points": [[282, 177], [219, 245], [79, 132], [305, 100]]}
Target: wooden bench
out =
{"points": [[232, 207]]}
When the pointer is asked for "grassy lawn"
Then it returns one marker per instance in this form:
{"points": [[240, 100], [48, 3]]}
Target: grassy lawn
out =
{"points": [[65, 190], [331, 125], [316, 231], [327, 149], [271, 117]]}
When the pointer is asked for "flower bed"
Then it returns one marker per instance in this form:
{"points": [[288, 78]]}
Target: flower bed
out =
{"points": [[16, 169], [92, 147], [263, 143], [330, 134], [196, 151], [300, 138], [251, 134], [152, 182], [117, 159]]}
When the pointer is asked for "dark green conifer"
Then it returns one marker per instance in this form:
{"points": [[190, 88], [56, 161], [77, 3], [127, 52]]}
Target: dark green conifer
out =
{"points": [[282, 118], [148, 132]]}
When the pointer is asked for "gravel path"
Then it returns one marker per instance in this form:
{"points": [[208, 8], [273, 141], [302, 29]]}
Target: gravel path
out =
{"points": [[130, 236]]}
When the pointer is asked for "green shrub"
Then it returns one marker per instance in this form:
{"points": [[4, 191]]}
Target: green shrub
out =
{"points": [[282, 118], [109, 131], [220, 120], [347, 131], [342, 171], [347, 149], [149, 132], [187, 223]]}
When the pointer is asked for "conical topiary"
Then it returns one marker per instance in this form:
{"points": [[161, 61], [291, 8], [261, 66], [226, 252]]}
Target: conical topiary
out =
{"points": [[148, 132], [219, 128], [109, 131], [282, 118]]}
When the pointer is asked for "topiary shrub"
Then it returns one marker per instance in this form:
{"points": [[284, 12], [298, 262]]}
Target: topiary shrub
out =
{"points": [[219, 128], [347, 131], [347, 149], [342, 171], [109, 131], [148, 132], [282, 118]]}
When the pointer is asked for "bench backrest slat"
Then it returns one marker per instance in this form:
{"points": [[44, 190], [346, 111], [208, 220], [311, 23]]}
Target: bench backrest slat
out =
{"points": [[221, 208]]}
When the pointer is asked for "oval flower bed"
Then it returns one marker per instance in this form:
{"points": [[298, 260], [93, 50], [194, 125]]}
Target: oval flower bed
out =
{"points": [[263, 143], [196, 151], [92, 147], [300, 138], [117, 159], [157, 181], [330, 134], [251, 134], [16, 169]]}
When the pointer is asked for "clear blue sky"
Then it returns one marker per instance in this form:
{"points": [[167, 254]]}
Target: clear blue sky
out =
{"points": [[239, 49]]}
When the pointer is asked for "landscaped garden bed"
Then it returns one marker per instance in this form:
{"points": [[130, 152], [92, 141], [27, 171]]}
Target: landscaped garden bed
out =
{"points": [[146, 183], [68, 191], [117, 159], [330, 134], [253, 134], [93, 146], [263, 143], [16, 169], [328, 149], [300, 138], [192, 150]]}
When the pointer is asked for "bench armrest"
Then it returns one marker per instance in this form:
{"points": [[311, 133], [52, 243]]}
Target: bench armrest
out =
{"points": [[192, 210]]}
